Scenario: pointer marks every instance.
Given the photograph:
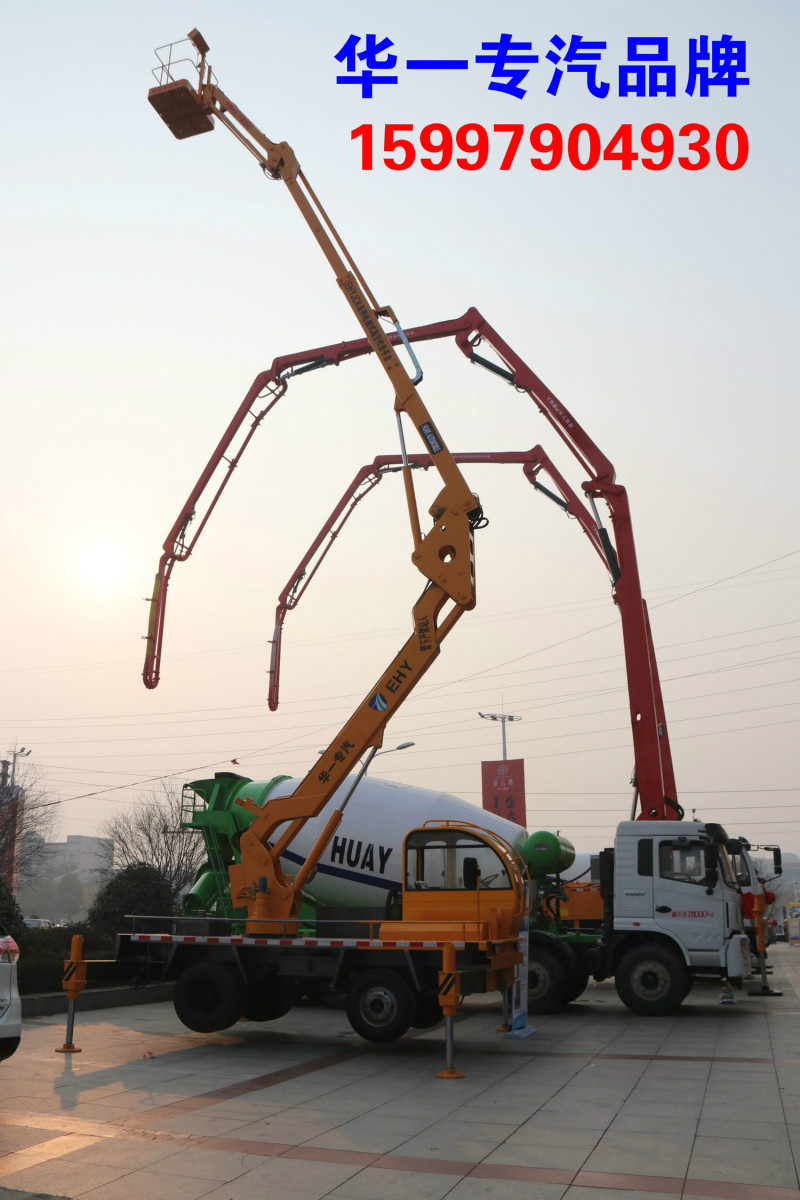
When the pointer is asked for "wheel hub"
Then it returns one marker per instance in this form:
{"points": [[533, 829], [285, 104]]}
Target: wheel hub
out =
{"points": [[378, 1006], [651, 980], [538, 982]]}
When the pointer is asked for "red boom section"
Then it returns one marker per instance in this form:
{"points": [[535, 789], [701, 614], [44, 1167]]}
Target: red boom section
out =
{"points": [[532, 462], [654, 775]]}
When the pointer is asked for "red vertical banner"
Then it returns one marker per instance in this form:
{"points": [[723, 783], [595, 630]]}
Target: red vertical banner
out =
{"points": [[11, 805], [504, 789]]}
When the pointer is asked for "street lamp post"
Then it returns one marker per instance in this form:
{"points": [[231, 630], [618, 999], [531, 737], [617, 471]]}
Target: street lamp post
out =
{"points": [[373, 753], [502, 718]]}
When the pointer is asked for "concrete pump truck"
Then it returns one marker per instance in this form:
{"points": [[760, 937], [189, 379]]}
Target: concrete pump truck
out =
{"points": [[671, 904]]}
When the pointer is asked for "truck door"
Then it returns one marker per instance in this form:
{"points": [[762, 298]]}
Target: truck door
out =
{"points": [[682, 906]]}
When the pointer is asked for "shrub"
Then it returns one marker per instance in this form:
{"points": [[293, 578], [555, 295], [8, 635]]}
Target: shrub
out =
{"points": [[139, 889]]}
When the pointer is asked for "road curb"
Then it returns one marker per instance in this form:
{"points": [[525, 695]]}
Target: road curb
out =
{"points": [[49, 1003]]}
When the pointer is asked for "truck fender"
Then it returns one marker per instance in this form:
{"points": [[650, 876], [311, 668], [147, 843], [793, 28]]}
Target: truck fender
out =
{"points": [[620, 942]]}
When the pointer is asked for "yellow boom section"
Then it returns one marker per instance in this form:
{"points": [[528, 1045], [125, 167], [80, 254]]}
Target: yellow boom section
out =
{"points": [[444, 554]]}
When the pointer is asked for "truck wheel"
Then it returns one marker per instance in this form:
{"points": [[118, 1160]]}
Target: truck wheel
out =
{"points": [[576, 985], [651, 980], [547, 981], [427, 1012], [380, 1006], [209, 996], [268, 1000]]}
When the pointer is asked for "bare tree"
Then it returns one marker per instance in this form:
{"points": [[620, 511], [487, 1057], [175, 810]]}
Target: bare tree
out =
{"points": [[28, 821], [149, 832], [782, 886]]}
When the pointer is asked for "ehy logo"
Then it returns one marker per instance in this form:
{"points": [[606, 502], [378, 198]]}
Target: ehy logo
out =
{"points": [[395, 682], [379, 703]]}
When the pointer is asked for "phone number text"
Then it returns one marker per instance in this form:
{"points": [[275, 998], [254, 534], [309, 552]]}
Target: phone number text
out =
{"points": [[472, 147]]}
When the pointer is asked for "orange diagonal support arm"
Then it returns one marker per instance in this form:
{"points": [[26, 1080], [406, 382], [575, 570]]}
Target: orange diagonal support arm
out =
{"points": [[444, 554]]}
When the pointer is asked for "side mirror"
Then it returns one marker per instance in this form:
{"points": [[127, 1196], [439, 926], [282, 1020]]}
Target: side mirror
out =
{"points": [[605, 868], [711, 880], [471, 874], [734, 846], [776, 858], [712, 867]]}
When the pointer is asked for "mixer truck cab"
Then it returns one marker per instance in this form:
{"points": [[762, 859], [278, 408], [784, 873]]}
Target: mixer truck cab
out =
{"points": [[672, 915], [674, 880]]}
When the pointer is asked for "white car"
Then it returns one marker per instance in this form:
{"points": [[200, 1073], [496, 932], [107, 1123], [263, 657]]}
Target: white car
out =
{"points": [[10, 1006]]}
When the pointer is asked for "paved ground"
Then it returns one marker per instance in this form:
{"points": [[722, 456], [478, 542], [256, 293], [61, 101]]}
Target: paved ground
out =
{"points": [[596, 1103]]}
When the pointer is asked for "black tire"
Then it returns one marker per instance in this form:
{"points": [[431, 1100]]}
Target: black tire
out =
{"points": [[380, 1006], [547, 981], [427, 1012], [651, 980], [209, 996], [576, 985], [268, 1000]]}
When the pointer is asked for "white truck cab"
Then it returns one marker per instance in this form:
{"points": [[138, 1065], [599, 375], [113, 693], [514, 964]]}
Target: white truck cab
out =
{"points": [[676, 912]]}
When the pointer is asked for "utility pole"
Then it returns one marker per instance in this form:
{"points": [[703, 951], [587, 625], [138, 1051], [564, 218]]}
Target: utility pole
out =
{"points": [[15, 754], [502, 718]]}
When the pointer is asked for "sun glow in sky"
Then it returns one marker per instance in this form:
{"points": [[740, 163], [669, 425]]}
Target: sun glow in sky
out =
{"points": [[102, 568]]}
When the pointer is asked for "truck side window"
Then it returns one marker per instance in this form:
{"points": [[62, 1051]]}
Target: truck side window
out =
{"points": [[435, 860], [644, 865], [683, 861], [741, 870]]}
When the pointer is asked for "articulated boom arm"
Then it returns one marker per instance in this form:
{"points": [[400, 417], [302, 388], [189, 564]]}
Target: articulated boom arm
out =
{"points": [[654, 775], [441, 554], [264, 393], [368, 477]]}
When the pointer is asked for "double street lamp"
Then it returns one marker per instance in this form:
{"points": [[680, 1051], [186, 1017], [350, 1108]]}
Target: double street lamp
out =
{"points": [[502, 718]]}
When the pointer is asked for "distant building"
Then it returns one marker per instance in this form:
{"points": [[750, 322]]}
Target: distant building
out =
{"points": [[89, 858], [790, 879]]}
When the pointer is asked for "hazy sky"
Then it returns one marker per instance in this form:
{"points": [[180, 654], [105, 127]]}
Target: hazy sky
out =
{"points": [[147, 281]]}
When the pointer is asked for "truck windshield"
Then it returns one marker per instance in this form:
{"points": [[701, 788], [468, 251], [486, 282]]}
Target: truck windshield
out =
{"points": [[435, 860]]}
